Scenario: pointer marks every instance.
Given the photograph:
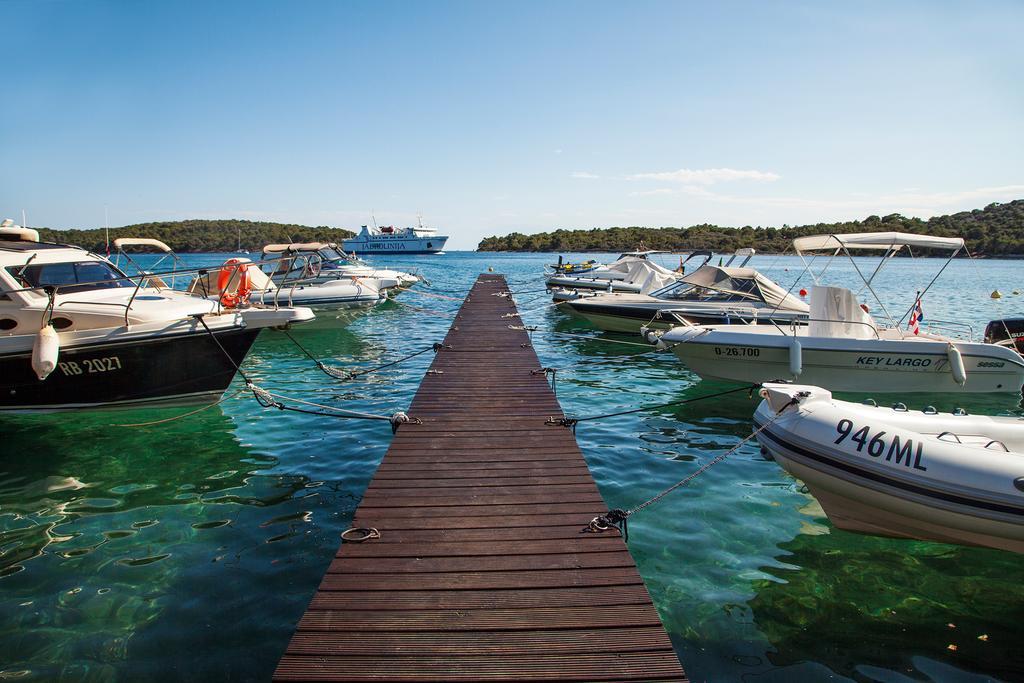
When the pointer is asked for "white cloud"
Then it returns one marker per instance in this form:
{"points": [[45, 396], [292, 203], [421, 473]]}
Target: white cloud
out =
{"points": [[707, 176], [654, 193], [583, 174]]}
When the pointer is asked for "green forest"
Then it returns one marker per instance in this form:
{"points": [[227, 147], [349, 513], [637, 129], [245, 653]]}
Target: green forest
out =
{"points": [[996, 230], [201, 235]]}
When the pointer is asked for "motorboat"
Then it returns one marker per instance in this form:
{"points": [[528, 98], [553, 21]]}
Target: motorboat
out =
{"points": [[708, 295], [77, 332], [388, 239], [569, 268], [629, 273], [324, 297], [321, 262], [843, 348], [948, 477]]}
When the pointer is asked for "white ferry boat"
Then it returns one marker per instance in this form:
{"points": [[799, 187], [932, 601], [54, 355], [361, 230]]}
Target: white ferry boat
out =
{"points": [[388, 238]]}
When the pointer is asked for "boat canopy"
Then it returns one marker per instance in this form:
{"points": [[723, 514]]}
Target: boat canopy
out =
{"points": [[122, 242], [298, 246], [744, 283], [875, 240]]}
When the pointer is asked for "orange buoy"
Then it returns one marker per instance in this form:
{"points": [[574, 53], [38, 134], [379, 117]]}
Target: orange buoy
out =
{"points": [[231, 299]]}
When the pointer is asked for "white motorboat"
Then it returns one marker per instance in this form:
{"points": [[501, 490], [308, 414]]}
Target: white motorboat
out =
{"points": [[322, 262], [629, 273], [77, 332], [947, 477], [241, 280], [324, 297], [387, 239], [709, 295], [843, 348]]}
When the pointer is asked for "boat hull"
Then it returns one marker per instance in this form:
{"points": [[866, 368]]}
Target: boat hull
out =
{"points": [[633, 318], [939, 495], [182, 369], [868, 366]]}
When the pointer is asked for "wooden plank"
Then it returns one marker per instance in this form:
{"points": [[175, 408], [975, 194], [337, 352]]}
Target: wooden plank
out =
{"points": [[601, 666], [561, 578], [483, 570], [481, 643]]}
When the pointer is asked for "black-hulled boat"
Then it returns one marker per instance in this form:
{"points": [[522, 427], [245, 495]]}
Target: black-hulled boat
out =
{"points": [[76, 332]]}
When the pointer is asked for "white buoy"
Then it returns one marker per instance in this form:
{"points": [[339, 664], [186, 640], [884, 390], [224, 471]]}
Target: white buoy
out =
{"points": [[796, 358], [956, 365], [45, 350]]}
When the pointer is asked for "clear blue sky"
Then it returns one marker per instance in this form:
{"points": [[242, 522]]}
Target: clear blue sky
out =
{"points": [[489, 117]]}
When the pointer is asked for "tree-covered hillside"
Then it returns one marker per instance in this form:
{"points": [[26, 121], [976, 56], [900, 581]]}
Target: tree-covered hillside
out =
{"points": [[996, 230], [201, 235]]}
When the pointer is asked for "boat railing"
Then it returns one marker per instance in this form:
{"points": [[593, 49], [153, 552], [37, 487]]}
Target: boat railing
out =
{"points": [[952, 325], [139, 281], [794, 323]]}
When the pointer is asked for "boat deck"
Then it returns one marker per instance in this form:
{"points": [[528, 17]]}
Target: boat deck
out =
{"points": [[482, 570]]}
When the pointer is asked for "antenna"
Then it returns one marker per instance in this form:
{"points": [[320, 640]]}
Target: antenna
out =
{"points": [[106, 227], [374, 219], [24, 221]]}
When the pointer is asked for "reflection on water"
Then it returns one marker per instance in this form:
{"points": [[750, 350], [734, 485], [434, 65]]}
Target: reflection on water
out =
{"points": [[188, 548]]}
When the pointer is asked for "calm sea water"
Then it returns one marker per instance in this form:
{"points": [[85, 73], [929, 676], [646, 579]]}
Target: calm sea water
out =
{"points": [[189, 548]]}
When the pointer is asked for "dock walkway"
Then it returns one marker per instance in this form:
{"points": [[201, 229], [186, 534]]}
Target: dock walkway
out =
{"points": [[482, 571]]}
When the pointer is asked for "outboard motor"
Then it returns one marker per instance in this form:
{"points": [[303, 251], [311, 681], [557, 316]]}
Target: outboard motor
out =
{"points": [[1006, 332]]}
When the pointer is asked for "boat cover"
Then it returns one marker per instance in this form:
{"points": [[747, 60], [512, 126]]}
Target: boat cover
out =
{"points": [[875, 240], [835, 312], [742, 282]]}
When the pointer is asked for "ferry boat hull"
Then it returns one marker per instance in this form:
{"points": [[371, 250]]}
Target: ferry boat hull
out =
{"points": [[395, 244]]}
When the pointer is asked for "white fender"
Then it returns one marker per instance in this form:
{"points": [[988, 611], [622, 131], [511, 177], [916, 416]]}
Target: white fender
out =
{"points": [[956, 365], [796, 358], [45, 350]]}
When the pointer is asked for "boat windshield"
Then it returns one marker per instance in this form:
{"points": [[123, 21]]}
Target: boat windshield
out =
{"points": [[736, 290], [75, 276]]}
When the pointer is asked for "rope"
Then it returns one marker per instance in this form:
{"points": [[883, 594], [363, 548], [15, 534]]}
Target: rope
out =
{"points": [[535, 328], [344, 375], [268, 399], [572, 421], [443, 314], [178, 417], [359, 534], [436, 296], [619, 518]]}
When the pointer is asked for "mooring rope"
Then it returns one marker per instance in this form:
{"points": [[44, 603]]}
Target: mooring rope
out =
{"points": [[619, 518], [183, 415], [269, 399], [572, 421], [345, 375], [535, 328]]}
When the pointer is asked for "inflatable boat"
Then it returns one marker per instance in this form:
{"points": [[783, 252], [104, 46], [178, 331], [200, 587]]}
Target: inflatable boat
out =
{"points": [[949, 477]]}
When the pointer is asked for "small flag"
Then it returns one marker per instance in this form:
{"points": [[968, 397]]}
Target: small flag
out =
{"points": [[916, 316]]}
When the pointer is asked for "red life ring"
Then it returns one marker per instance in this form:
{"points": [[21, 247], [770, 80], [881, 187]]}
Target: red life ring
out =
{"points": [[231, 299]]}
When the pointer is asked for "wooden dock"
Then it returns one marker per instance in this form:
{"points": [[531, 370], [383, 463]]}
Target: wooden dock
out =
{"points": [[482, 570]]}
